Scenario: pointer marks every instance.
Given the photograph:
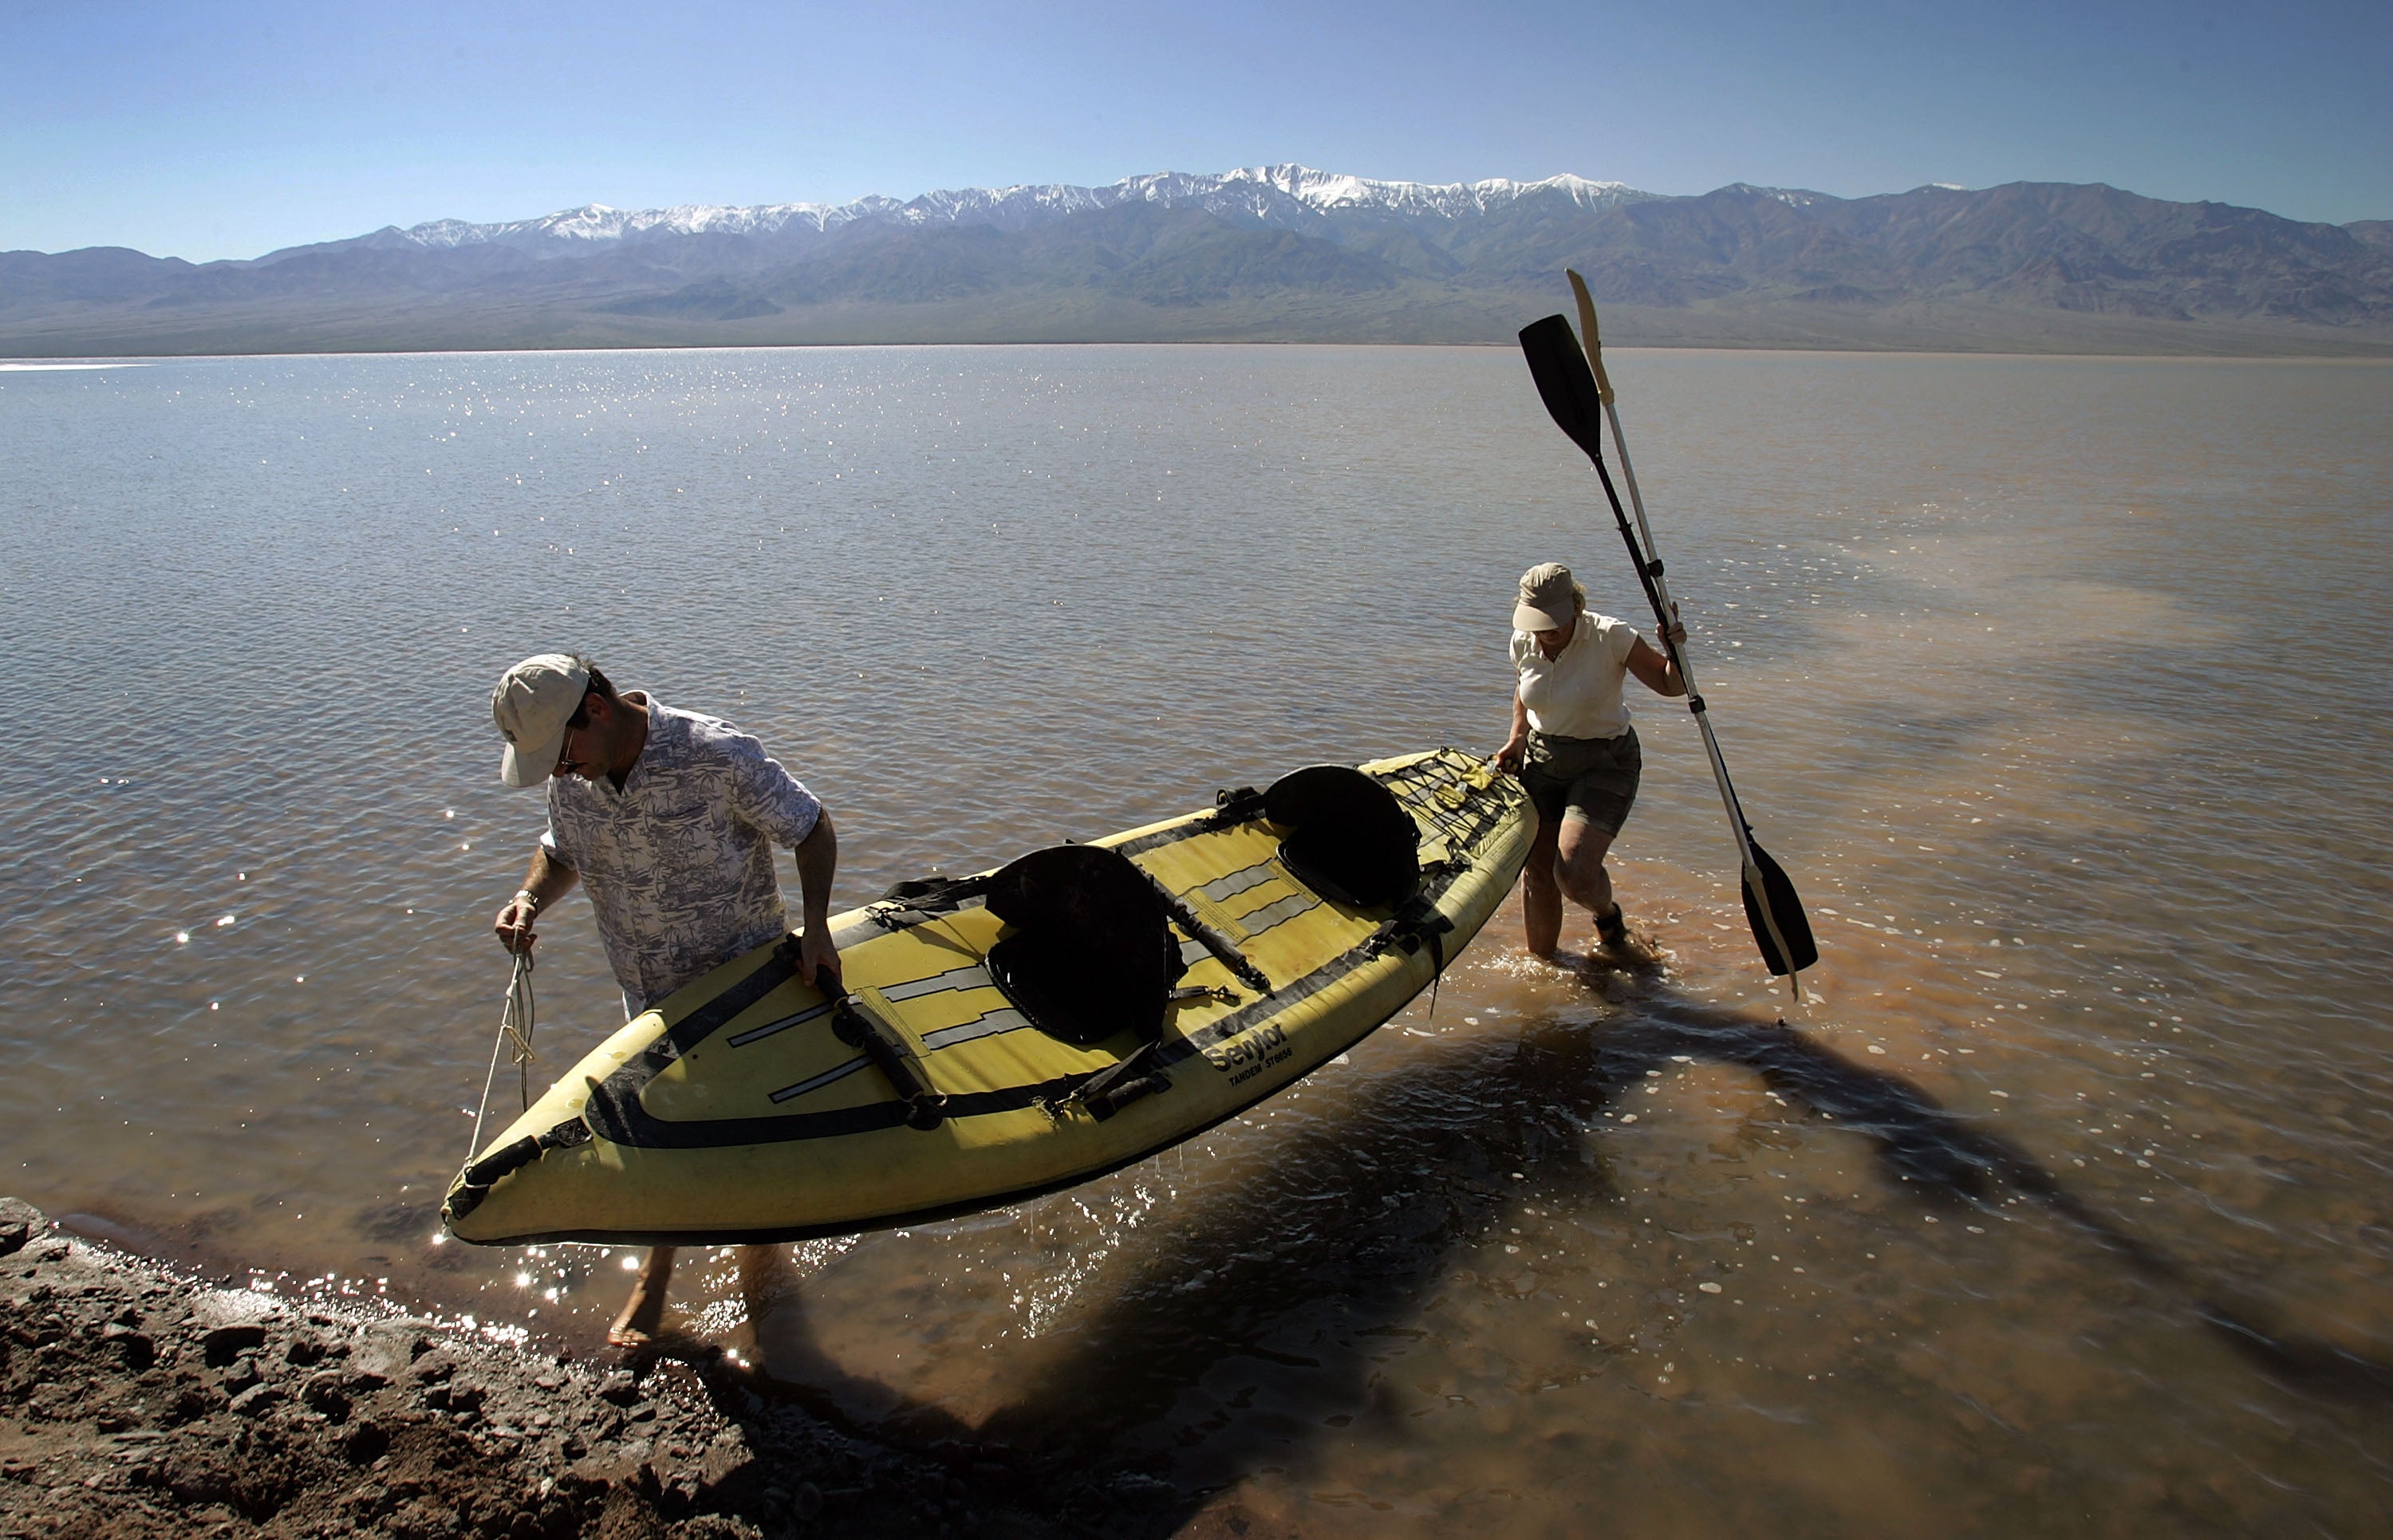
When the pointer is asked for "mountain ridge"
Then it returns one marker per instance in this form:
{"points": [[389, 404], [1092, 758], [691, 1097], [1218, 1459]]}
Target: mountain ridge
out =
{"points": [[1272, 252]]}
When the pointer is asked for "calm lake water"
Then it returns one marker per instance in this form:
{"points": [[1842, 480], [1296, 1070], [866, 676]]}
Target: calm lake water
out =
{"points": [[2059, 685]]}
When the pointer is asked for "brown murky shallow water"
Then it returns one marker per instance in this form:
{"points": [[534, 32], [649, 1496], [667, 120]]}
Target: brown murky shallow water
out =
{"points": [[2057, 684]]}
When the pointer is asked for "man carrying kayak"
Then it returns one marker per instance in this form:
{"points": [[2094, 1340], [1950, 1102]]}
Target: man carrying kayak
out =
{"points": [[1572, 747], [668, 820]]}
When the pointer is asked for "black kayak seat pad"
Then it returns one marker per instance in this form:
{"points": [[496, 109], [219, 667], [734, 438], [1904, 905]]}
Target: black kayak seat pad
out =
{"points": [[1346, 837], [1089, 953]]}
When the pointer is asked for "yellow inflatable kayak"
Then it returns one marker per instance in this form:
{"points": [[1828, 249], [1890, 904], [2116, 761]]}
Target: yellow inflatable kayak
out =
{"points": [[999, 1037]]}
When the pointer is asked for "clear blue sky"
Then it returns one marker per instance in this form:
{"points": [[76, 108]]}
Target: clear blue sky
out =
{"points": [[201, 130]]}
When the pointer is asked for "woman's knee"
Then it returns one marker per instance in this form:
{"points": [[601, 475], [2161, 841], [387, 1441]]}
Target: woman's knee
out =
{"points": [[1581, 847]]}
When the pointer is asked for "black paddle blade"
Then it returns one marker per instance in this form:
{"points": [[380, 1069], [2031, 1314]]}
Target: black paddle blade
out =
{"points": [[1785, 912], [1565, 381]]}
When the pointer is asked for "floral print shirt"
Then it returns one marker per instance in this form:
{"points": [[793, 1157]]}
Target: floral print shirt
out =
{"points": [[679, 863]]}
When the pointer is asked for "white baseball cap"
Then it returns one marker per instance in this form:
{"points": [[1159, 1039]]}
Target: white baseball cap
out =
{"points": [[532, 704]]}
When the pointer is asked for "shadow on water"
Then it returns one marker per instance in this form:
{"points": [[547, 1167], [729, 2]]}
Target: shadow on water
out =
{"points": [[1254, 1319], [1952, 1161]]}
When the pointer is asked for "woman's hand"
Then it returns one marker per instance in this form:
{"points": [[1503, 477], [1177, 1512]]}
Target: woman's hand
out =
{"points": [[1507, 758]]}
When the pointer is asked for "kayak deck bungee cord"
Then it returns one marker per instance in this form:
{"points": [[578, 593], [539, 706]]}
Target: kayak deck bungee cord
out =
{"points": [[994, 1038]]}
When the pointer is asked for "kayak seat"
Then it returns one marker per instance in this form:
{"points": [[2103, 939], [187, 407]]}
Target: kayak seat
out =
{"points": [[1089, 953], [1347, 838]]}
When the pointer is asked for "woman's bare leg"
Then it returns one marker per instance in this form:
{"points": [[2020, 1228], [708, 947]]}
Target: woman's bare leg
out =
{"points": [[1578, 864], [1541, 895]]}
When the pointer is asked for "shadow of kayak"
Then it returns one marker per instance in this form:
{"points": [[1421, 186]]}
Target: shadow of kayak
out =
{"points": [[1248, 1321]]}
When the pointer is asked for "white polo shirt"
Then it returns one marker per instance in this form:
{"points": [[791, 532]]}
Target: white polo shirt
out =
{"points": [[1577, 695]]}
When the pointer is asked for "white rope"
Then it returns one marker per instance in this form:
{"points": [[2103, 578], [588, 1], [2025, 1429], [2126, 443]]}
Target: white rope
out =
{"points": [[515, 1034]]}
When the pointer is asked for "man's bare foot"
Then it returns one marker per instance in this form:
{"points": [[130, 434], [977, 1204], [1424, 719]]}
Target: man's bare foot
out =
{"points": [[628, 1332], [643, 1314]]}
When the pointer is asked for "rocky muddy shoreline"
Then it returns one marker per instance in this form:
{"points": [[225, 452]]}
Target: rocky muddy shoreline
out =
{"points": [[137, 1402]]}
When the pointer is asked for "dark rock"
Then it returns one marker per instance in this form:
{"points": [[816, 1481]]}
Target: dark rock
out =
{"points": [[1140, 1487], [194, 1477], [620, 1388], [19, 1223], [380, 1354], [242, 1374], [255, 1401], [137, 1349], [433, 1367], [808, 1503], [325, 1391], [222, 1344], [191, 1401], [726, 1474], [366, 1442]]}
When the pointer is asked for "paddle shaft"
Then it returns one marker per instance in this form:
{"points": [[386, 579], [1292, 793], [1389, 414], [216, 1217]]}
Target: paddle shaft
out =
{"points": [[1657, 591], [1569, 376]]}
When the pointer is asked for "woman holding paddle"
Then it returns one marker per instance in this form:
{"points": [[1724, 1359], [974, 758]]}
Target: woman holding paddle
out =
{"points": [[1573, 746]]}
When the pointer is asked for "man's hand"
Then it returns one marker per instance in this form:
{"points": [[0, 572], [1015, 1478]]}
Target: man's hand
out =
{"points": [[514, 923], [817, 958], [1507, 758]]}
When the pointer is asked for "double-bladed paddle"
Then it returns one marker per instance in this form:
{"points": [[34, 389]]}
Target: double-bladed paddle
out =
{"points": [[1579, 396]]}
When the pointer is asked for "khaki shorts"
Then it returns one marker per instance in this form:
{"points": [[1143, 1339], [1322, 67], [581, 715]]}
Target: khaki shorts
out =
{"points": [[1592, 779]]}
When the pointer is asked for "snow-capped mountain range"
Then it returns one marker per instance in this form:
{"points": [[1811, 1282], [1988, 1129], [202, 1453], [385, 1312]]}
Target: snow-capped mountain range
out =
{"points": [[1277, 253], [1290, 196]]}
